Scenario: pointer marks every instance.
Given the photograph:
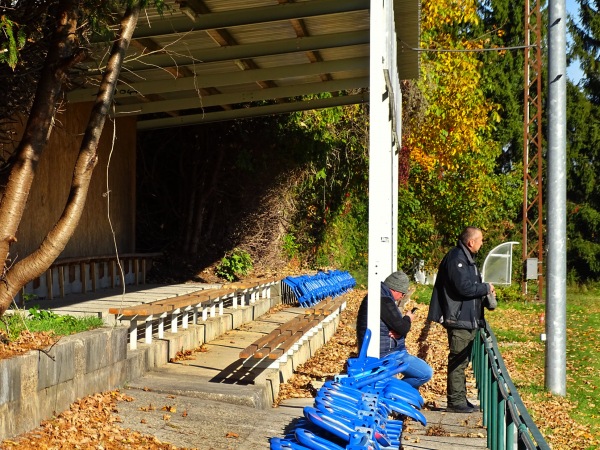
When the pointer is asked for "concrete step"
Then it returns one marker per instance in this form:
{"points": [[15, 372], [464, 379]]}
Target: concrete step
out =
{"points": [[216, 372], [237, 401]]}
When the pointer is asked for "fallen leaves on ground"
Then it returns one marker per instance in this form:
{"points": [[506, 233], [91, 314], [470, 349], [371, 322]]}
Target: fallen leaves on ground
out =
{"points": [[90, 423], [27, 341], [429, 341], [94, 419]]}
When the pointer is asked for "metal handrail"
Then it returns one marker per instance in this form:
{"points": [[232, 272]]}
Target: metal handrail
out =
{"points": [[507, 420]]}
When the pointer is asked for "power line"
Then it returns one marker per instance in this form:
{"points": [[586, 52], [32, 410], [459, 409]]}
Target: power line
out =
{"points": [[474, 50]]}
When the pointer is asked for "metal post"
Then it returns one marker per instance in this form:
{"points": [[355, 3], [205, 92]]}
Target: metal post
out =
{"points": [[379, 221], [383, 172], [533, 224], [556, 324]]}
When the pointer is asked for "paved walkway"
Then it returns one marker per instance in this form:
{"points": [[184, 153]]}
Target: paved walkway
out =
{"points": [[213, 410], [184, 405], [210, 401]]}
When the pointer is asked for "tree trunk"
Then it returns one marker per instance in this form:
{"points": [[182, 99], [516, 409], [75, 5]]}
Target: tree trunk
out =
{"points": [[37, 131]]}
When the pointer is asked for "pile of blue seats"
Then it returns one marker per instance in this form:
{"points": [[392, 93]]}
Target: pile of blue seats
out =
{"points": [[361, 410], [308, 290]]}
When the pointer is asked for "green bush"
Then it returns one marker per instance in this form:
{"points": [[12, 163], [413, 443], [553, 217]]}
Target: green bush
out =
{"points": [[290, 246], [237, 263], [509, 294]]}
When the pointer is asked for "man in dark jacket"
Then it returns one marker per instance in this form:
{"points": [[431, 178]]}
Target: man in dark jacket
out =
{"points": [[393, 328], [457, 303]]}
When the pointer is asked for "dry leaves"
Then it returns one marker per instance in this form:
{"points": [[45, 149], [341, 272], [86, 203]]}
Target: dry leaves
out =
{"points": [[26, 342], [90, 423], [430, 342], [186, 355], [93, 423]]}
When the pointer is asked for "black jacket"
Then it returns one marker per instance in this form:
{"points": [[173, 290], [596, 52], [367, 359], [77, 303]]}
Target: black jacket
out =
{"points": [[390, 319], [457, 299]]}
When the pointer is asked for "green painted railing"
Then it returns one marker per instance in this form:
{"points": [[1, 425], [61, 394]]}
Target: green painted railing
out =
{"points": [[508, 423]]}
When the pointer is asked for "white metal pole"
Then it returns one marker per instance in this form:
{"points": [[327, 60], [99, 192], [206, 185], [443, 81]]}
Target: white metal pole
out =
{"points": [[381, 170], [556, 298]]}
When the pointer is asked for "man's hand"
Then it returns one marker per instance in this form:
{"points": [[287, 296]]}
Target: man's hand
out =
{"points": [[394, 335]]}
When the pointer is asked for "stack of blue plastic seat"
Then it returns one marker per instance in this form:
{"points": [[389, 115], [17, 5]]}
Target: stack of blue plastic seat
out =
{"points": [[311, 289], [354, 411]]}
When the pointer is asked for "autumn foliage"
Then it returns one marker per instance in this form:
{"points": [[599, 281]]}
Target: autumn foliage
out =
{"points": [[448, 135]]}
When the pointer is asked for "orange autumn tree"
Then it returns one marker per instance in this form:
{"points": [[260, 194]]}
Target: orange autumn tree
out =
{"points": [[447, 138]]}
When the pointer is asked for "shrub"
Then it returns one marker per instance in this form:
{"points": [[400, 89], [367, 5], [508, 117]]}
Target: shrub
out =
{"points": [[238, 263]]}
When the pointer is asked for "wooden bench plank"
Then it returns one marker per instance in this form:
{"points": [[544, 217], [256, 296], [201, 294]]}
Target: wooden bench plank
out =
{"points": [[327, 306], [194, 298], [319, 306], [281, 340], [286, 328], [248, 284], [170, 304], [272, 344], [249, 351], [138, 310], [334, 305], [183, 301], [288, 343]]}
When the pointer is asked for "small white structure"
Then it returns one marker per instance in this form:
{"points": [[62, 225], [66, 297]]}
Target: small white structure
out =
{"points": [[497, 267]]}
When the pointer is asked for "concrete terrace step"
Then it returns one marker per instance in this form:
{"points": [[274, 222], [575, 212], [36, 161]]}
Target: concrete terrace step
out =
{"points": [[222, 397], [99, 302], [218, 373], [222, 401]]}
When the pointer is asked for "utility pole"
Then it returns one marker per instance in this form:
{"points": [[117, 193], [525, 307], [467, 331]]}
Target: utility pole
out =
{"points": [[533, 227], [556, 303]]}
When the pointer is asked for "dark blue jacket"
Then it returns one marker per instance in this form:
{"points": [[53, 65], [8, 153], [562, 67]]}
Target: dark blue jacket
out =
{"points": [[457, 298], [390, 319]]}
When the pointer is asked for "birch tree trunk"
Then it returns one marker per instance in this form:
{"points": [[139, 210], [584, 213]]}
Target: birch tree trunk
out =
{"points": [[63, 53]]}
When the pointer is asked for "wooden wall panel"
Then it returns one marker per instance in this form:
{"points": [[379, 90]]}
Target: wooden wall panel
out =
{"points": [[53, 179]]}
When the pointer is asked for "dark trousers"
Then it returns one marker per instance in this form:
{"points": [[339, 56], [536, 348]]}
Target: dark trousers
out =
{"points": [[460, 343]]}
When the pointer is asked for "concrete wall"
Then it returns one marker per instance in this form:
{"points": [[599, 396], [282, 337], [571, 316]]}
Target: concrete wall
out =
{"points": [[36, 386]]}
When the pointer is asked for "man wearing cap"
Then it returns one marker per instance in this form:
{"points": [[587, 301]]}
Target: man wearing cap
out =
{"points": [[393, 327]]}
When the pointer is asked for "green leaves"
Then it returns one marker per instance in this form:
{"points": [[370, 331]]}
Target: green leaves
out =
{"points": [[329, 226], [238, 263], [453, 178], [15, 40], [583, 186]]}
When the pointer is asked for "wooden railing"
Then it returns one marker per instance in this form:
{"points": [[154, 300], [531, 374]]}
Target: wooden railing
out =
{"points": [[88, 274]]}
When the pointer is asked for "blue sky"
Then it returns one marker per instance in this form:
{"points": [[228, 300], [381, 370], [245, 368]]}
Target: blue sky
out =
{"points": [[573, 71]]}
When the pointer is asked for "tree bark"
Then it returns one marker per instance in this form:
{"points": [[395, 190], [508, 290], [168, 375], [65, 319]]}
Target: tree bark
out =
{"points": [[37, 132]]}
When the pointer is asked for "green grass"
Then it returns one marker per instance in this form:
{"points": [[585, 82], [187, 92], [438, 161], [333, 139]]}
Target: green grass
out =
{"points": [[583, 365], [511, 336], [517, 326], [583, 341], [36, 320]]}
